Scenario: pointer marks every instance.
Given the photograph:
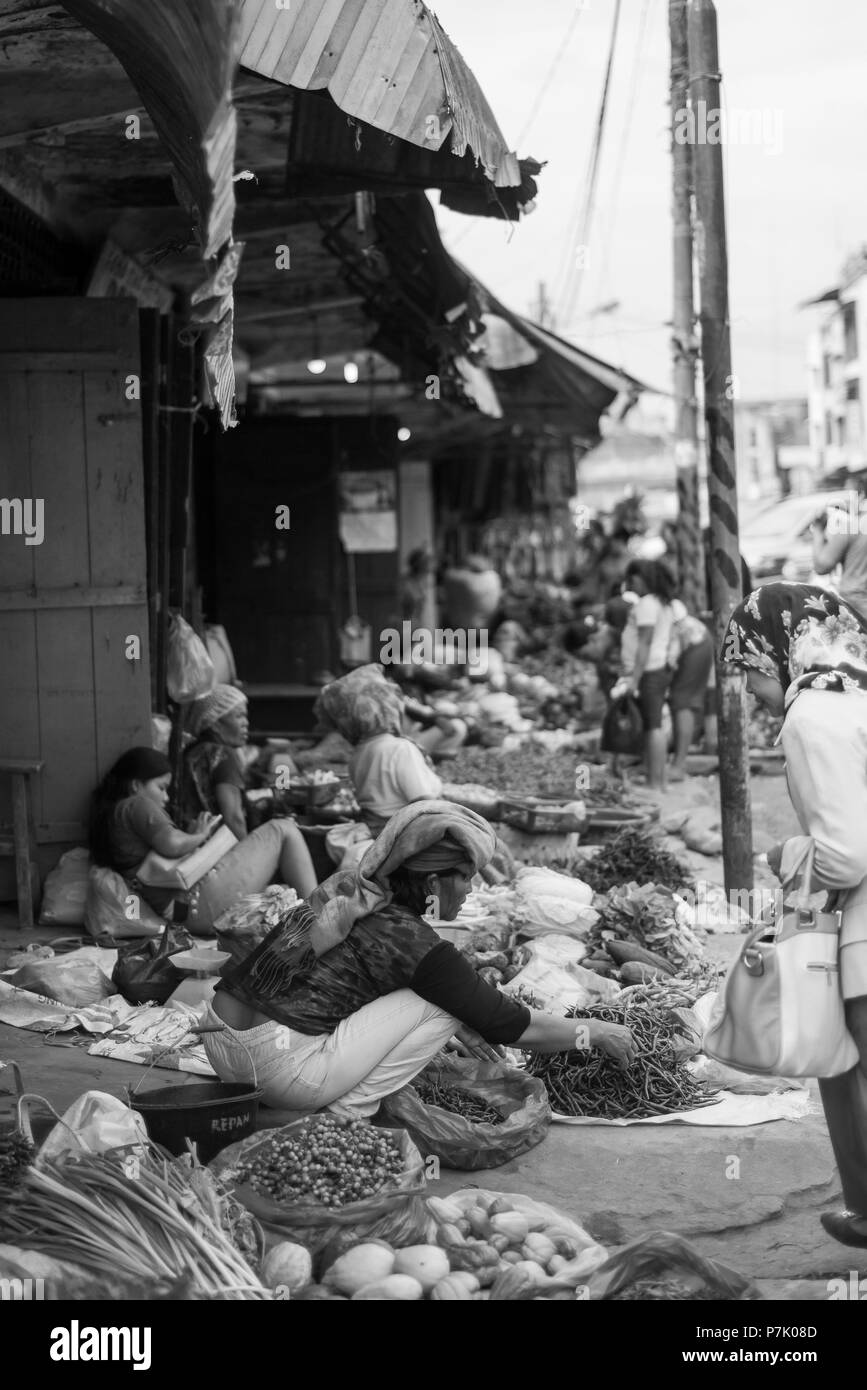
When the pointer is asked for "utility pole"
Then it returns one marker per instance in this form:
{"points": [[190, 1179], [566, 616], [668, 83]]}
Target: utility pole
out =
{"points": [[719, 392], [690, 548], [543, 307]]}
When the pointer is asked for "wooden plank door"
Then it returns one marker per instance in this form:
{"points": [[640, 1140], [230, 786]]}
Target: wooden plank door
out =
{"points": [[71, 599]]}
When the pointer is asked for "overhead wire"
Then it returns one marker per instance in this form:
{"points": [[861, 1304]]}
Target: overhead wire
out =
{"points": [[574, 271], [632, 92], [539, 98]]}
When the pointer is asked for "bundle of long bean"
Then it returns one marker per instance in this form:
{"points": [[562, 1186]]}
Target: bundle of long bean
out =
{"points": [[142, 1219], [457, 1102], [589, 1083]]}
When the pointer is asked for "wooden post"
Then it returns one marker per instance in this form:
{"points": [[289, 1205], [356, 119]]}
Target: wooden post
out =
{"points": [[690, 549], [149, 330], [719, 392]]}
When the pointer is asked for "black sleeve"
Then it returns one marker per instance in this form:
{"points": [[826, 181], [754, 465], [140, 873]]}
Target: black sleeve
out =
{"points": [[446, 979]]}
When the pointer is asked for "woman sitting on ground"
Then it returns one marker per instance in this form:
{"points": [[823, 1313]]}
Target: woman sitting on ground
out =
{"points": [[129, 819], [350, 997]]}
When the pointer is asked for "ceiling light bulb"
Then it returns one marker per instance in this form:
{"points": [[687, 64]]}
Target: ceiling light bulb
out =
{"points": [[317, 365], [350, 372], [404, 434]]}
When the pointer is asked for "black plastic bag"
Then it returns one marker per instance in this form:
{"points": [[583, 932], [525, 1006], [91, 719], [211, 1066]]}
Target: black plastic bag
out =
{"points": [[667, 1268], [465, 1144], [623, 727], [144, 972]]}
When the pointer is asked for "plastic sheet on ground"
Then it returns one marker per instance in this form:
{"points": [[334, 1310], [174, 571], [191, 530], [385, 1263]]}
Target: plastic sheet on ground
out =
{"points": [[730, 1112], [149, 1035]]}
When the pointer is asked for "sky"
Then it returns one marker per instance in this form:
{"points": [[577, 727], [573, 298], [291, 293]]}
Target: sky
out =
{"points": [[796, 199]]}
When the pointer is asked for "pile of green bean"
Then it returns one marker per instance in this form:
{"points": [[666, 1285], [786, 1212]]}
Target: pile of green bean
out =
{"points": [[592, 1085], [457, 1102]]}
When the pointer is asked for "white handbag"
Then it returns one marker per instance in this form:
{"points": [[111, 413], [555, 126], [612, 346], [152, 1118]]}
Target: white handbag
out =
{"points": [[781, 1011], [156, 871]]}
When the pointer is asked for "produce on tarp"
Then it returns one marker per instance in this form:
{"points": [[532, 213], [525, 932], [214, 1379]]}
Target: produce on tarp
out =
{"points": [[137, 1217], [532, 770], [635, 856], [587, 1083], [655, 918], [471, 1114]]}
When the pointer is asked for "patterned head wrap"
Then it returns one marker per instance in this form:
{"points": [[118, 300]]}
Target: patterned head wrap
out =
{"points": [[361, 705], [208, 711], [801, 635]]}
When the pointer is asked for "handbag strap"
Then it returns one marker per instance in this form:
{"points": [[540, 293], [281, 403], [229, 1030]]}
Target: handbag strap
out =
{"points": [[803, 875]]}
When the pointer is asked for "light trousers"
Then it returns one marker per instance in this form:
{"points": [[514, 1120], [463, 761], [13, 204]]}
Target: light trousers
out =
{"points": [[370, 1055]]}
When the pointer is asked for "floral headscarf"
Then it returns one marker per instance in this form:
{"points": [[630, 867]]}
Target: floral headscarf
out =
{"points": [[361, 705], [801, 635]]}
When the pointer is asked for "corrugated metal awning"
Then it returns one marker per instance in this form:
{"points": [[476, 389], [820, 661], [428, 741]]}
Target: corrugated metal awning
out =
{"points": [[388, 63], [182, 58]]}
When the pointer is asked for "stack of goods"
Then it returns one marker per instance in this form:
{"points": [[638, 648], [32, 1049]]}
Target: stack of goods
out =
{"points": [[558, 690], [652, 917], [589, 1084], [536, 771], [136, 1223], [478, 1245]]}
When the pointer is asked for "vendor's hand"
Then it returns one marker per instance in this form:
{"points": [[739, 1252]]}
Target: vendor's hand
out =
{"points": [[467, 1043], [615, 1041], [625, 686], [204, 823]]}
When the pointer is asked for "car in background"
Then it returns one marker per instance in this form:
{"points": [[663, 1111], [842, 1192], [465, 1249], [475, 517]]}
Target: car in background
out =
{"points": [[777, 543]]}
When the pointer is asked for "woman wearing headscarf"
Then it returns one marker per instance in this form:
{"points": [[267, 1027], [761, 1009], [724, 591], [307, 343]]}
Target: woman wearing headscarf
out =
{"points": [[348, 998], [804, 652]]}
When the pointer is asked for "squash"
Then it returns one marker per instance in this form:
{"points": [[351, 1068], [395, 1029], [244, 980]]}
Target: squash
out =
{"points": [[396, 1288], [288, 1266], [448, 1236], [453, 1289], [359, 1267], [426, 1263], [511, 1224], [480, 1224], [445, 1212], [539, 1248]]}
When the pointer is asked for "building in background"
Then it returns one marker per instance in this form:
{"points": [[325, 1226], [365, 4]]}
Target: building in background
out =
{"points": [[837, 372], [774, 458]]}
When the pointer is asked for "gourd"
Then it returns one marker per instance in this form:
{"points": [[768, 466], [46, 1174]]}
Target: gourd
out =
{"points": [[426, 1263], [359, 1267], [458, 1287], [511, 1224], [398, 1288], [289, 1266]]}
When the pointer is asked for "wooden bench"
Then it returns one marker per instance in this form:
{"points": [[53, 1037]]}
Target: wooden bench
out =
{"points": [[22, 841]]}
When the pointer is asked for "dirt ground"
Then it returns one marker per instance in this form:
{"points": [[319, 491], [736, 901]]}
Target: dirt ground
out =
{"points": [[620, 1183]]}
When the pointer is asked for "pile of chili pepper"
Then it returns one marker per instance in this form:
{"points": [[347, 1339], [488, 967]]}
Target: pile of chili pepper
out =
{"points": [[457, 1102], [16, 1154], [590, 1084]]}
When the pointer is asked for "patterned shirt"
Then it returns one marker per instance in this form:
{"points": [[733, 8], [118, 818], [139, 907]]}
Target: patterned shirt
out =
{"points": [[389, 950]]}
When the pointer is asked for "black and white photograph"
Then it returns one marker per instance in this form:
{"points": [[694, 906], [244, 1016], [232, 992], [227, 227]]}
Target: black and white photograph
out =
{"points": [[433, 670]]}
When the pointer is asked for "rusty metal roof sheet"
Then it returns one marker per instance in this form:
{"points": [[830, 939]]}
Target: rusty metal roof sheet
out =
{"points": [[388, 63]]}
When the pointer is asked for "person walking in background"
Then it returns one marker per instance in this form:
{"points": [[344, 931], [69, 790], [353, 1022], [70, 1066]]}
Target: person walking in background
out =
{"points": [[690, 657], [804, 653], [645, 652]]}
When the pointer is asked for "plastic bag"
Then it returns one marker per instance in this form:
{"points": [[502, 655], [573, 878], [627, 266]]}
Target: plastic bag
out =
{"points": [[240, 929], [589, 1257], [66, 890], [623, 727], [106, 906], [144, 973], [76, 979], [666, 1267], [397, 1214], [466, 1144], [190, 671], [93, 1124], [556, 979]]}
